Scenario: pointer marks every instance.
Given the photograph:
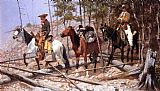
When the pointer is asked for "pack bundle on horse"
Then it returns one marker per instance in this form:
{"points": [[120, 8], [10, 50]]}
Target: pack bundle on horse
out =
{"points": [[81, 47], [33, 46], [87, 32], [117, 42]]}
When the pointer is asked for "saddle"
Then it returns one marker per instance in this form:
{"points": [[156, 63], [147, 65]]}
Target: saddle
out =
{"points": [[120, 29], [88, 33], [48, 44]]}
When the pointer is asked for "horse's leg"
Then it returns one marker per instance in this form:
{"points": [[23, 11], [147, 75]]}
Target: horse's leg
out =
{"points": [[135, 42], [132, 53], [95, 60], [85, 64], [111, 56], [37, 60], [122, 54], [24, 58], [90, 57], [137, 47], [64, 58], [128, 50], [67, 65], [77, 65]]}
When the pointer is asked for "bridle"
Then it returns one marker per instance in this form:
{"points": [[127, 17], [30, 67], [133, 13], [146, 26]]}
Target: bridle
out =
{"points": [[112, 32]]}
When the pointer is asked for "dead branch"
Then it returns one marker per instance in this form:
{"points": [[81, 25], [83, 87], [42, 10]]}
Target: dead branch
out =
{"points": [[47, 72], [67, 79], [27, 80], [16, 59]]}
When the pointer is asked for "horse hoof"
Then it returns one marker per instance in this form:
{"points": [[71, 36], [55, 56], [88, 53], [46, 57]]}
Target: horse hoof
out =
{"points": [[66, 71], [77, 74], [108, 64], [123, 65], [87, 74], [26, 64]]}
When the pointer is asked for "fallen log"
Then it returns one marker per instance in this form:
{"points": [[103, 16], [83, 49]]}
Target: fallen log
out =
{"points": [[123, 75], [28, 81], [16, 59], [48, 72], [122, 67], [129, 71]]}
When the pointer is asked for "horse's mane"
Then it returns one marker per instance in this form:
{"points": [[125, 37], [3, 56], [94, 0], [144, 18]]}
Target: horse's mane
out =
{"points": [[76, 39], [27, 37]]}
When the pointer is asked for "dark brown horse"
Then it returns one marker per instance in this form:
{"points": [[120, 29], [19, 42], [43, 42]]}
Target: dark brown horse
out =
{"points": [[117, 42], [81, 47]]}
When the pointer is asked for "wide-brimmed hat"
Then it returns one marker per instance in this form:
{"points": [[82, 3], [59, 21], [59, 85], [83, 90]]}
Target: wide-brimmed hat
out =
{"points": [[43, 15]]}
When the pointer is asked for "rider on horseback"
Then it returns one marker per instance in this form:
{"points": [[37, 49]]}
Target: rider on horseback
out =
{"points": [[123, 20], [45, 30]]}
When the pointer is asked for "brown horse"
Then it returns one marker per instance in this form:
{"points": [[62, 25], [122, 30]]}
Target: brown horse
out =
{"points": [[81, 47]]}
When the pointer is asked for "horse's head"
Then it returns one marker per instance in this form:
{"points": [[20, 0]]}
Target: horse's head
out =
{"points": [[106, 32], [69, 31], [17, 33]]}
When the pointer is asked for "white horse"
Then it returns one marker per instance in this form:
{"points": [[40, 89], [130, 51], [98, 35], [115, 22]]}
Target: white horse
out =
{"points": [[59, 49]]}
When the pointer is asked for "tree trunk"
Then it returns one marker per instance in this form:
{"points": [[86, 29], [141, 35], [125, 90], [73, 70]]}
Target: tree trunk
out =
{"points": [[80, 10], [148, 78]]}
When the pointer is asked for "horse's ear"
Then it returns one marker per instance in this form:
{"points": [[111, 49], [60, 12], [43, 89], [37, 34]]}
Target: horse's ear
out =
{"points": [[70, 27], [32, 34]]}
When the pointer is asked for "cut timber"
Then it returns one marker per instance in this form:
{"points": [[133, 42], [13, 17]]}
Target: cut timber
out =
{"points": [[129, 71], [125, 68], [29, 81]]}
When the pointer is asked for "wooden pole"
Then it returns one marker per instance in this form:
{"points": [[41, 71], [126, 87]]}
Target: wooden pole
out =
{"points": [[142, 33], [101, 57], [158, 35], [49, 9], [20, 16]]}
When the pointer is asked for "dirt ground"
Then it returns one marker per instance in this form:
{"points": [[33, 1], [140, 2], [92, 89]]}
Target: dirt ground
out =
{"points": [[125, 84]]}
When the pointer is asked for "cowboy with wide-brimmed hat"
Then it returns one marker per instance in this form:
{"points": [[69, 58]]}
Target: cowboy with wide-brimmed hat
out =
{"points": [[123, 20], [45, 29]]}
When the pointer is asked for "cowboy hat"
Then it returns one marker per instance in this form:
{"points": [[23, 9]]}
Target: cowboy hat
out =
{"points": [[43, 15]]}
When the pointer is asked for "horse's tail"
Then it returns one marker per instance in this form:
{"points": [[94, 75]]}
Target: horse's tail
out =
{"points": [[67, 65]]}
